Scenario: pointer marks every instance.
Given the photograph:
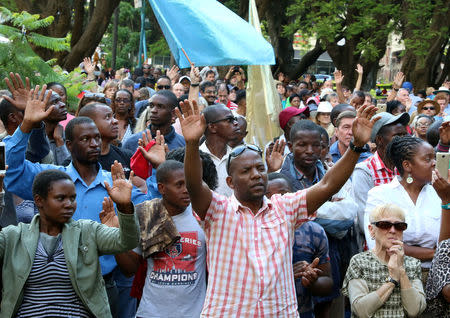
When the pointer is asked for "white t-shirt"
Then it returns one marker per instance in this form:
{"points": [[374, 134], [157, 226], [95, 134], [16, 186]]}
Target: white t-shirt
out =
{"points": [[175, 284]]}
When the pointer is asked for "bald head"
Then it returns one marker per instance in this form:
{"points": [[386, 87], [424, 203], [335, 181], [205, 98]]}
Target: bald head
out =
{"points": [[215, 112]]}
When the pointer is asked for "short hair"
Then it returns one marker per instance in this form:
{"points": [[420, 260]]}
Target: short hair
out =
{"points": [[303, 125], [431, 119], [240, 95], [6, 108], [293, 96], [328, 97], [392, 105], [222, 86], [209, 175], [165, 169], [90, 109], [401, 149], [126, 83], [323, 132], [359, 94], [52, 84], [209, 72], [172, 98], [337, 110], [111, 83], [440, 96], [89, 98], [144, 93], [277, 175], [211, 113], [433, 133], [385, 211], [164, 77], [43, 181], [205, 85], [345, 114], [74, 123]]}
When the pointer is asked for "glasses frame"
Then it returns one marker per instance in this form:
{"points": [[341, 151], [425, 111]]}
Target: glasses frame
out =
{"points": [[386, 225], [230, 119], [237, 151]]}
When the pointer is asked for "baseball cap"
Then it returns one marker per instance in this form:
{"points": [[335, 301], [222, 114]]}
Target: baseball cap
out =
{"points": [[289, 112], [324, 107], [387, 119], [408, 86], [184, 77]]}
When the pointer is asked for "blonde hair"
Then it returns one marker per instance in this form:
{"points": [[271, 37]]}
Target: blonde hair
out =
{"points": [[386, 210], [141, 123], [429, 90]]}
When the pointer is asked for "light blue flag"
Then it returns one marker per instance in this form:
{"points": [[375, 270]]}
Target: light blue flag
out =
{"points": [[210, 33]]}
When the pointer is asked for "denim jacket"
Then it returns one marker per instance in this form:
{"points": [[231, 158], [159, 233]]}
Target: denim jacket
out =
{"points": [[83, 242]]}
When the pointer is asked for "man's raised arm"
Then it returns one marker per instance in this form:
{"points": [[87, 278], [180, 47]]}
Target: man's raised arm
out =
{"points": [[336, 177], [193, 125]]}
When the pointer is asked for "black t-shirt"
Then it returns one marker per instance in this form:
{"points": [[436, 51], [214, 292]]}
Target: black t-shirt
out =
{"points": [[115, 153]]}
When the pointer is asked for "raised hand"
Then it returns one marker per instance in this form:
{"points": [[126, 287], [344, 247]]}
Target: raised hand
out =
{"points": [[193, 124], [108, 215], [173, 73], [363, 123], [89, 67], [195, 75], [156, 155], [398, 80], [275, 156], [359, 69], [19, 92], [35, 110], [444, 133], [120, 192], [338, 77]]}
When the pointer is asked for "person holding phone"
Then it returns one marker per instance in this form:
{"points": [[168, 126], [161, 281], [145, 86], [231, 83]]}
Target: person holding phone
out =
{"points": [[383, 282]]}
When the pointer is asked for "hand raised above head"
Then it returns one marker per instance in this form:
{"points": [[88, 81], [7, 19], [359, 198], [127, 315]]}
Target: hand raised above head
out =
{"points": [[398, 80], [193, 123], [338, 77], [275, 156], [18, 91], [363, 124], [36, 111], [195, 75]]}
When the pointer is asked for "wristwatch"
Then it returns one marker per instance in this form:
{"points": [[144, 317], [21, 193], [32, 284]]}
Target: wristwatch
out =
{"points": [[356, 149], [393, 281]]}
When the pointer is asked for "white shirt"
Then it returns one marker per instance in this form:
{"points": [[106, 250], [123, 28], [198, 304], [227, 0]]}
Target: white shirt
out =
{"points": [[221, 167], [423, 218]]}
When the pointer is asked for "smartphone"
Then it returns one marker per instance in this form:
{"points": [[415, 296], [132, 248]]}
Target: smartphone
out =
{"points": [[381, 108], [443, 163], [2, 158]]}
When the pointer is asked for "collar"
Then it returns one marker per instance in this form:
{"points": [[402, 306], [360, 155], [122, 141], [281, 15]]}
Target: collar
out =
{"points": [[299, 175], [238, 207], [204, 147], [379, 164], [167, 137], [102, 175], [334, 149]]}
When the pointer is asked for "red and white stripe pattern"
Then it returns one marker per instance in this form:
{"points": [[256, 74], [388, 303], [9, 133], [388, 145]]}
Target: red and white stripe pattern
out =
{"points": [[250, 256], [380, 173]]}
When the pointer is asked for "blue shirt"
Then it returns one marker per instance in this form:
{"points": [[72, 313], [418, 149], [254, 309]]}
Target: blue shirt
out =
{"points": [[172, 139], [20, 175], [310, 241], [336, 155], [298, 179]]}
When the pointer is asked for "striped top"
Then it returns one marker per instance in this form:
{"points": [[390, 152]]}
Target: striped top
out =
{"points": [[250, 256], [48, 291], [380, 173]]}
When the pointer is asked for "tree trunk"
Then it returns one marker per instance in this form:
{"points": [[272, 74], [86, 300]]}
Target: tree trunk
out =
{"points": [[115, 28], [306, 61], [345, 59], [93, 33]]}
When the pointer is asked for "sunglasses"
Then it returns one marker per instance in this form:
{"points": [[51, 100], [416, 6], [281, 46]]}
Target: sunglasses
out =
{"points": [[94, 95], [386, 225], [236, 152], [163, 87], [428, 108], [230, 119]]}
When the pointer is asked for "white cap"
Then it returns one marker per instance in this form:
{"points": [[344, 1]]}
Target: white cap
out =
{"points": [[326, 91], [324, 107]]}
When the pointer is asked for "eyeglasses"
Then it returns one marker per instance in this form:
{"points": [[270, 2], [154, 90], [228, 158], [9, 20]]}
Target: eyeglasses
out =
{"points": [[122, 100], [428, 108], [94, 95], [423, 125], [230, 119], [163, 86], [386, 225], [239, 150]]}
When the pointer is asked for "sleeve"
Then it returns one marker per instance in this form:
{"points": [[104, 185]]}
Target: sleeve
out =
{"points": [[38, 145], [215, 210], [361, 184], [117, 240], [322, 247], [21, 172], [62, 155], [413, 299], [363, 303], [294, 206]]}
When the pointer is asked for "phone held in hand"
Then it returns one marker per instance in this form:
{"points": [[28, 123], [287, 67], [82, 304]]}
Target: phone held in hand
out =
{"points": [[443, 163]]}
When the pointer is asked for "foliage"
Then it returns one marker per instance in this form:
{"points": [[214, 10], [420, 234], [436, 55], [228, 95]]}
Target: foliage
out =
{"points": [[21, 25]]}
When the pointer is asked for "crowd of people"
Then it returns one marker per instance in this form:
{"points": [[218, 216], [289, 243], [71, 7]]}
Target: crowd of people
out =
{"points": [[146, 201]]}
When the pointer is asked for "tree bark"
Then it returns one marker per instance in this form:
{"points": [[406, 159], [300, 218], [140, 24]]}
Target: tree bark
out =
{"points": [[306, 61], [92, 35], [115, 28]]}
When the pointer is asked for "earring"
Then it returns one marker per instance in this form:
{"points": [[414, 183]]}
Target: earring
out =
{"points": [[409, 179]]}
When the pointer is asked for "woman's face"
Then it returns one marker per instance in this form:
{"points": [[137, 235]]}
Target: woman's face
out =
{"points": [[122, 102], [384, 237], [421, 165], [429, 109], [443, 103], [60, 204], [110, 91], [422, 125], [295, 102], [281, 89], [323, 118]]}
